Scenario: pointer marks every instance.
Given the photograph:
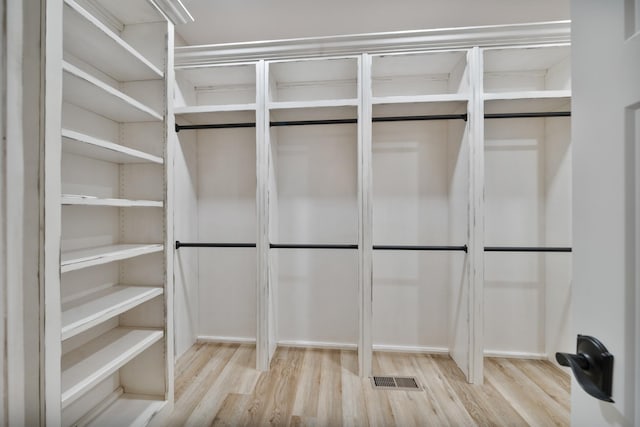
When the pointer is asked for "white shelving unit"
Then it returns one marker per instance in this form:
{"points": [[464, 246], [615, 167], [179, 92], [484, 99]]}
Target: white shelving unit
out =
{"points": [[109, 301], [313, 177], [420, 199], [403, 157], [210, 211], [527, 200]]}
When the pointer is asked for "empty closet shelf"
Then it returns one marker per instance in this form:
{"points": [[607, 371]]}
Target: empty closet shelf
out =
{"points": [[124, 409], [85, 91], [82, 313], [83, 200], [91, 363], [95, 148], [83, 258], [87, 38]]}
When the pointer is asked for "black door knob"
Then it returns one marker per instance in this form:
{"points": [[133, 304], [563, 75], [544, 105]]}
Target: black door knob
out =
{"points": [[592, 365]]}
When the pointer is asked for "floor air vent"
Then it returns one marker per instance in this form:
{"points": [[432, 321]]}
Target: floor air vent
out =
{"points": [[396, 383]]}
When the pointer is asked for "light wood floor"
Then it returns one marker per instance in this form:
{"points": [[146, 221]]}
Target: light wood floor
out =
{"points": [[217, 385]]}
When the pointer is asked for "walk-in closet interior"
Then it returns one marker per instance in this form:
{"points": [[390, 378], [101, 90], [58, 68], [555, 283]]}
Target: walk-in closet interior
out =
{"points": [[382, 193], [415, 200]]}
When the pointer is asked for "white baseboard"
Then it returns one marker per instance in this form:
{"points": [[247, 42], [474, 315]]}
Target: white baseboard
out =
{"points": [[376, 347], [318, 345], [229, 340], [410, 349], [515, 355]]}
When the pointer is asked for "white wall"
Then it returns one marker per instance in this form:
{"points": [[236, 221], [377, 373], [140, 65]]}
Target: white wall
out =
{"points": [[411, 207], [316, 174], [528, 192], [226, 182], [226, 21], [185, 229]]}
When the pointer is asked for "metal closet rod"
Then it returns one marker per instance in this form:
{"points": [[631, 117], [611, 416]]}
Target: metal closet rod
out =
{"points": [[526, 249], [180, 244], [527, 115], [419, 248], [311, 246], [464, 117], [178, 127], [322, 246]]}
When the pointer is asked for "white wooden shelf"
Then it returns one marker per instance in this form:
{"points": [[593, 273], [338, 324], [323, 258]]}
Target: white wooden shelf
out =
{"points": [[87, 146], [200, 109], [290, 105], [84, 90], [453, 97], [419, 108], [83, 200], [527, 105], [83, 258], [126, 409], [89, 39], [86, 366], [206, 114], [82, 313], [534, 94]]}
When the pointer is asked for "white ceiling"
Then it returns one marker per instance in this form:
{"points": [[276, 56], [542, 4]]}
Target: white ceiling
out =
{"points": [[228, 21]]}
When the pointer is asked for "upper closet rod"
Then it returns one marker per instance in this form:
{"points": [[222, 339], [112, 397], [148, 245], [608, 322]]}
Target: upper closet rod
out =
{"points": [[311, 246], [178, 127], [527, 115], [526, 249]]}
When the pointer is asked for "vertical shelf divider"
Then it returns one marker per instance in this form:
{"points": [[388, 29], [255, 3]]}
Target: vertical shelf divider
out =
{"points": [[264, 326], [476, 219], [365, 234], [169, 187]]}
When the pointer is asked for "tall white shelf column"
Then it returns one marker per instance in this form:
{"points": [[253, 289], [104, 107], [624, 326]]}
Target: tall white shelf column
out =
{"points": [[108, 229]]}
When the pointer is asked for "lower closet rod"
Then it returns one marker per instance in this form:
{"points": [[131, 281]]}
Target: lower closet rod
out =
{"points": [[525, 249], [419, 248]]}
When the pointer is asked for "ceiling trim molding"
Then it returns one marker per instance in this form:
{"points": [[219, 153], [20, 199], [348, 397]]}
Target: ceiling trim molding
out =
{"points": [[174, 10], [447, 38]]}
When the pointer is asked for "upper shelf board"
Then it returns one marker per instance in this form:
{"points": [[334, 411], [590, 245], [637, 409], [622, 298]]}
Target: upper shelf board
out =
{"points": [[80, 314], [95, 148], [90, 93], [84, 200], [83, 258], [89, 39], [127, 12]]}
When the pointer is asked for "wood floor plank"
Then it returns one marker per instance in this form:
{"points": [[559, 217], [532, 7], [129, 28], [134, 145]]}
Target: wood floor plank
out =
{"points": [[483, 402], [219, 385], [196, 387], [535, 406], [207, 407], [550, 379]]}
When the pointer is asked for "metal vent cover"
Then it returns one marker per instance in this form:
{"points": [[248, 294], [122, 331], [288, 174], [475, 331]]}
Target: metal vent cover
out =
{"points": [[396, 383]]}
